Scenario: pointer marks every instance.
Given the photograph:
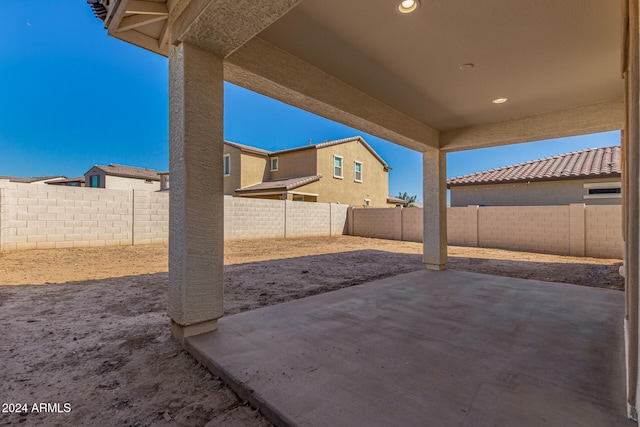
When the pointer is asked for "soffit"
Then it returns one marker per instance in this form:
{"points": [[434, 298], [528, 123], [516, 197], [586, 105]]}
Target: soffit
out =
{"points": [[544, 55]]}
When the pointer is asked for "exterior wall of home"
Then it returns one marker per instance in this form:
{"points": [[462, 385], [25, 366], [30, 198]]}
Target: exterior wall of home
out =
{"points": [[94, 171], [122, 183], [40, 217], [375, 180], [294, 164], [545, 193], [255, 169], [233, 181], [577, 229]]}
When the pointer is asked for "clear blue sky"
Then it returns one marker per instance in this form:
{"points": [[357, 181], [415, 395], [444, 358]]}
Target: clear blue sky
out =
{"points": [[72, 97]]}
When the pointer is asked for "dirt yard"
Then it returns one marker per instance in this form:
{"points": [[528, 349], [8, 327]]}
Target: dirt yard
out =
{"points": [[96, 336]]}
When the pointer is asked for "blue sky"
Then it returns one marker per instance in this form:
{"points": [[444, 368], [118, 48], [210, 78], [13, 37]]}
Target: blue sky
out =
{"points": [[72, 97]]}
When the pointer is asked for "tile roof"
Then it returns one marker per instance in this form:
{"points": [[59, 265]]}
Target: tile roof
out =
{"points": [[589, 163], [31, 179], [281, 184], [130, 172]]}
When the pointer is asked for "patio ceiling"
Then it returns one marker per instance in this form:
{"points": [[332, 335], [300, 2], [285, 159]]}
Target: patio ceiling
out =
{"points": [[406, 78]]}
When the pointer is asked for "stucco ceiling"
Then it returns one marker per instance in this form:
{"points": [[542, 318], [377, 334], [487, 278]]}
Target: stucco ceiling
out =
{"points": [[543, 55]]}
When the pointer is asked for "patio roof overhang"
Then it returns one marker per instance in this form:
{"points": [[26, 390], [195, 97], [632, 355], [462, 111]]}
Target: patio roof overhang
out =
{"points": [[422, 80]]}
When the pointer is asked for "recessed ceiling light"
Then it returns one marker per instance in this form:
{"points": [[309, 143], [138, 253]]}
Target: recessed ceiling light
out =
{"points": [[500, 100], [408, 6]]}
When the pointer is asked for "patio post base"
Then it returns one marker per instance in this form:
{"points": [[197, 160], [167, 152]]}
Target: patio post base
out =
{"points": [[180, 332]]}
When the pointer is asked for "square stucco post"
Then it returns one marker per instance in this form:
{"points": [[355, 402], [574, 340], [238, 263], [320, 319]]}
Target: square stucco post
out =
{"points": [[196, 212], [434, 188]]}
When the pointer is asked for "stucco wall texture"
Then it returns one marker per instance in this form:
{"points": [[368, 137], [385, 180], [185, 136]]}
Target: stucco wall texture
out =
{"points": [[577, 229], [544, 193], [42, 217]]}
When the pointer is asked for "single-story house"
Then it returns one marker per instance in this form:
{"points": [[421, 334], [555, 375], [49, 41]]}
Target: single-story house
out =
{"points": [[590, 176]]}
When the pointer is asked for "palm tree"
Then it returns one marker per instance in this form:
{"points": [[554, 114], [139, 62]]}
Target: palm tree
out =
{"points": [[408, 200]]}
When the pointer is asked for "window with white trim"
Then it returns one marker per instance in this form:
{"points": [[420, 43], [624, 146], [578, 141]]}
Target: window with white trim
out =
{"points": [[337, 166], [367, 203], [357, 175], [274, 164], [226, 164]]}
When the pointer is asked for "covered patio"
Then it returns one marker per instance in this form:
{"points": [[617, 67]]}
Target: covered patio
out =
{"points": [[429, 348], [435, 77]]}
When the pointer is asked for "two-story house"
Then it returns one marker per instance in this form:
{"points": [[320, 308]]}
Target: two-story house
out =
{"points": [[346, 171]]}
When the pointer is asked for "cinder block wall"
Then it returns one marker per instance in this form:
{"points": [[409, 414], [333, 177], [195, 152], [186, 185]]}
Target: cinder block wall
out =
{"points": [[307, 219], [603, 228], [48, 216], [578, 229], [542, 229], [381, 223], [456, 226], [150, 217], [412, 224], [339, 221], [253, 218]]}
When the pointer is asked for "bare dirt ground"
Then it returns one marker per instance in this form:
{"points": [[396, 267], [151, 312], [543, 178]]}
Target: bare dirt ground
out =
{"points": [[96, 335]]}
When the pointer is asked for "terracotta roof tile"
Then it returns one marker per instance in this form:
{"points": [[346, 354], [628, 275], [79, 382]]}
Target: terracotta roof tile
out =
{"points": [[591, 162]]}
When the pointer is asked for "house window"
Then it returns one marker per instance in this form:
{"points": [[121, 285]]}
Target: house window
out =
{"points": [[274, 164], [358, 172], [603, 190], [367, 203], [94, 181], [298, 198], [337, 167], [226, 164]]}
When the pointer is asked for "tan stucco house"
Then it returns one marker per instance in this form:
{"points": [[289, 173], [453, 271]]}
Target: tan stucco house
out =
{"points": [[590, 176], [346, 171], [120, 177]]}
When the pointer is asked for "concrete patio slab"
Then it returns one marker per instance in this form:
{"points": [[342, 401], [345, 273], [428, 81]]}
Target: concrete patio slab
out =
{"points": [[430, 348]]}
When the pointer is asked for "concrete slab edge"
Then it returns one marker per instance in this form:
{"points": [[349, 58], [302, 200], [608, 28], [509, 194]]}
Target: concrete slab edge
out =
{"points": [[241, 389]]}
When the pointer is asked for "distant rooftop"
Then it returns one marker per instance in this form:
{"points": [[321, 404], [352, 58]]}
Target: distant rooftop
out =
{"points": [[592, 162], [31, 179], [130, 172]]}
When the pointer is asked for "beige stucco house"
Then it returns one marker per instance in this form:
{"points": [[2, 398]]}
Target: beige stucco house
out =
{"points": [[346, 171], [120, 177], [589, 176]]}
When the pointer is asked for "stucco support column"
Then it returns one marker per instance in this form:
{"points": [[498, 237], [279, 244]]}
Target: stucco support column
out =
{"points": [[434, 190], [196, 214]]}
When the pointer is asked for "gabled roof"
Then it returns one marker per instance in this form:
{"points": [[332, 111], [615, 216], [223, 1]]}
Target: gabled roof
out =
{"points": [[589, 163], [336, 142], [129, 172], [31, 179], [248, 148], [281, 184]]}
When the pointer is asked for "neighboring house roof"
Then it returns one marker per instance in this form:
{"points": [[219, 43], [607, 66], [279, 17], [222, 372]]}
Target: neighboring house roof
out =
{"points": [[248, 148], [589, 163], [336, 142], [31, 179], [391, 199], [281, 184], [307, 147], [129, 172], [79, 179]]}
